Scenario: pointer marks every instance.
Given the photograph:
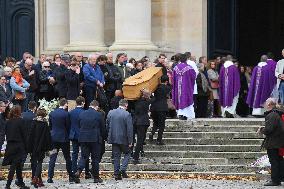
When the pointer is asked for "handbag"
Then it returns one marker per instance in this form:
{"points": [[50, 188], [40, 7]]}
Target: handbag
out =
{"points": [[171, 105], [214, 84], [19, 95]]}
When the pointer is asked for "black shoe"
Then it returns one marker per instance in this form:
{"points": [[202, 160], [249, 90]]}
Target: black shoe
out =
{"points": [[19, 184], [24, 187], [124, 174], [88, 175], [142, 154], [144, 143], [98, 180], [74, 179], [160, 143], [182, 118], [272, 184], [228, 115], [118, 177], [7, 187], [49, 180], [150, 137], [136, 161]]}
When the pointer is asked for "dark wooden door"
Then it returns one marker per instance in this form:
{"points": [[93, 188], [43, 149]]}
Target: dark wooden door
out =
{"points": [[17, 27], [222, 27]]}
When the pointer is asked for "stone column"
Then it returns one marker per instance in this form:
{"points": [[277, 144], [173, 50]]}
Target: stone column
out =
{"points": [[133, 26], [56, 25], [86, 26]]}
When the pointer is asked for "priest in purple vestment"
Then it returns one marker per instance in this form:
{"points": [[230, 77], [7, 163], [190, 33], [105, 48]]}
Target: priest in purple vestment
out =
{"points": [[261, 86], [183, 87], [229, 87]]}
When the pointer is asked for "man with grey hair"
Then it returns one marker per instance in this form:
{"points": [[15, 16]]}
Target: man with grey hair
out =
{"points": [[93, 77], [274, 134], [120, 135], [261, 86], [279, 73]]}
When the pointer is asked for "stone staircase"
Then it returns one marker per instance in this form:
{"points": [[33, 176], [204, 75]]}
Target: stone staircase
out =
{"points": [[202, 146]]}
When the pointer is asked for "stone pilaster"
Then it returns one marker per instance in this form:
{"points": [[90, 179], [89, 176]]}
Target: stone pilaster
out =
{"points": [[86, 26]]}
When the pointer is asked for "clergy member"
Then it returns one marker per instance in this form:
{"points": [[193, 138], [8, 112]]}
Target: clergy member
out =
{"points": [[229, 87], [183, 88], [261, 86]]}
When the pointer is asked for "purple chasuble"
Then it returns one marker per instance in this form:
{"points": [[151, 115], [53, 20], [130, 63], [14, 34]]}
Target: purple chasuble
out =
{"points": [[272, 66], [229, 85], [261, 86], [183, 85]]}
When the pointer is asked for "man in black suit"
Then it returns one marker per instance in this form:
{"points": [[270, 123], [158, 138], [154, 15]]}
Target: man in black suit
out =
{"points": [[159, 109], [59, 75], [5, 90], [162, 63], [92, 134], [59, 123], [2, 128]]}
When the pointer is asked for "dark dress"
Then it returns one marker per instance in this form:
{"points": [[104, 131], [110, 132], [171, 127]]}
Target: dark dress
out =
{"points": [[39, 139], [242, 107], [16, 136]]}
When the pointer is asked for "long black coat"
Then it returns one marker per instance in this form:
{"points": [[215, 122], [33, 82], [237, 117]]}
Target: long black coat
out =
{"points": [[61, 84], [273, 130], [6, 96], [73, 84], [39, 139], [16, 135], [160, 98]]}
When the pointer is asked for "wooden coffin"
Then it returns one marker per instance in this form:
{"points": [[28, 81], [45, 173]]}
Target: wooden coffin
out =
{"points": [[146, 79]]}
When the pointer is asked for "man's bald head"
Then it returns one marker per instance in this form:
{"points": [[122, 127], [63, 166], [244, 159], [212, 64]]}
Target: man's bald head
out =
{"points": [[263, 58]]}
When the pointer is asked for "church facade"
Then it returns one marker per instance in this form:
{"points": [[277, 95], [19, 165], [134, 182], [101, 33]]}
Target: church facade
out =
{"points": [[245, 29]]}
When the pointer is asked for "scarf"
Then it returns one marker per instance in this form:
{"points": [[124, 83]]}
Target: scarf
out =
{"points": [[18, 78]]}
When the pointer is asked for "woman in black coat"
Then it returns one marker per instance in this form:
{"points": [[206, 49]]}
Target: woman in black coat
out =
{"points": [[16, 136], [39, 144], [141, 122]]}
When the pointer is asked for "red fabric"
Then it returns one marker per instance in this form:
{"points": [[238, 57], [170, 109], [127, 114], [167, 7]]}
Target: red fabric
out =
{"points": [[281, 151]]}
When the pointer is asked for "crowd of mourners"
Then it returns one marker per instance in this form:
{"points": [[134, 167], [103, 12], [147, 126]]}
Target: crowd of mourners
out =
{"points": [[92, 108]]}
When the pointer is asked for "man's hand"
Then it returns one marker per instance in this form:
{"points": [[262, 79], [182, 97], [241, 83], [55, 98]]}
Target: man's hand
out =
{"points": [[31, 73], [130, 145]]}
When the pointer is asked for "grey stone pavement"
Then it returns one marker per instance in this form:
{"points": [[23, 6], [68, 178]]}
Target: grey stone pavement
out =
{"points": [[156, 184]]}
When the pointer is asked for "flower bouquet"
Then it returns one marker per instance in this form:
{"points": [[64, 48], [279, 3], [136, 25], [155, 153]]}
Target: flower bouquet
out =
{"points": [[49, 106]]}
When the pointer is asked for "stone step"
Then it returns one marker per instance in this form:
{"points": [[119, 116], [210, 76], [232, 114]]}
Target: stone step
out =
{"points": [[213, 148], [217, 121], [215, 128], [223, 135], [195, 154], [215, 141], [168, 167]]}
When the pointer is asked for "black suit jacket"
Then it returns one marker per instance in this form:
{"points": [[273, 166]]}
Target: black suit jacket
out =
{"points": [[141, 116], [160, 98], [6, 96], [61, 84]]}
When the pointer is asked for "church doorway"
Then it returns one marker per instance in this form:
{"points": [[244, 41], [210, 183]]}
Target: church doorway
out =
{"points": [[246, 29], [17, 27]]}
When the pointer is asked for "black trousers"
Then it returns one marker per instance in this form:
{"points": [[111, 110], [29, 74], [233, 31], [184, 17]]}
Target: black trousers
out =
{"points": [[159, 121], [202, 106], [18, 168], [277, 165], [141, 134]]}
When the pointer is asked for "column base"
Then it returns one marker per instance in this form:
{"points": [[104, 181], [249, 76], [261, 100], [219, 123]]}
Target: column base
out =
{"points": [[133, 45], [85, 47]]}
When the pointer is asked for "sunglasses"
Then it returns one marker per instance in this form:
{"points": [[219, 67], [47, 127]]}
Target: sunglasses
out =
{"points": [[46, 66]]}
